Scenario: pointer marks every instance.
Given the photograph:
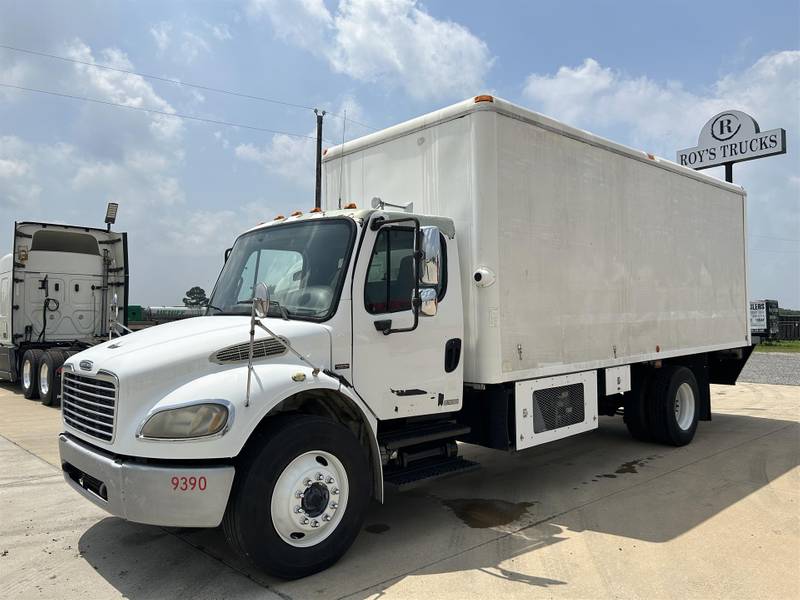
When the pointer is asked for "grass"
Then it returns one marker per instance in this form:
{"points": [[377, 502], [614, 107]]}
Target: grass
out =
{"points": [[779, 346]]}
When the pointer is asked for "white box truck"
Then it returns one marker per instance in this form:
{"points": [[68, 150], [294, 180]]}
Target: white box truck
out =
{"points": [[534, 277], [57, 294]]}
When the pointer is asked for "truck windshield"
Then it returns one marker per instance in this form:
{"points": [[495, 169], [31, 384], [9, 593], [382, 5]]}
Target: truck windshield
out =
{"points": [[302, 263]]}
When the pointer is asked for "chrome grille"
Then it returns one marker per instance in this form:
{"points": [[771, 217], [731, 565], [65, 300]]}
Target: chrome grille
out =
{"points": [[239, 352], [89, 404]]}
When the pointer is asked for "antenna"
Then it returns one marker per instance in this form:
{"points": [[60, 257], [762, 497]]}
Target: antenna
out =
{"points": [[341, 157], [318, 191]]}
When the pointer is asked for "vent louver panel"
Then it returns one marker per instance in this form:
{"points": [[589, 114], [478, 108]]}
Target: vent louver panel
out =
{"points": [[557, 407], [238, 353]]}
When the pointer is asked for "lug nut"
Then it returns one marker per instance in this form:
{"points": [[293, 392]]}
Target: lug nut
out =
{"points": [[299, 510], [329, 480], [307, 482], [326, 517], [298, 494], [304, 521], [334, 505], [315, 523], [320, 477], [335, 491]]}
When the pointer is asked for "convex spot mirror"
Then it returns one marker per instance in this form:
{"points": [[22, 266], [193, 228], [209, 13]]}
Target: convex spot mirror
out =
{"points": [[431, 260], [428, 302], [261, 300]]}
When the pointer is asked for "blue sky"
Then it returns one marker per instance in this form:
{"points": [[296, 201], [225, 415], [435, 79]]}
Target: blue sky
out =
{"points": [[642, 73]]}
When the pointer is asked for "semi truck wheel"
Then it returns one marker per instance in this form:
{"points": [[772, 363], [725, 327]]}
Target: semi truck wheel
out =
{"points": [[300, 496], [29, 372], [674, 405], [48, 381]]}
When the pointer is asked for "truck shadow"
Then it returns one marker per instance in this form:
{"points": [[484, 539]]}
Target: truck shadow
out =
{"points": [[513, 506]]}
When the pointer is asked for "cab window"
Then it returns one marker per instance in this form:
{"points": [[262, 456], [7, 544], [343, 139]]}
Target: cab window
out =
{"points": [[390, 275]]}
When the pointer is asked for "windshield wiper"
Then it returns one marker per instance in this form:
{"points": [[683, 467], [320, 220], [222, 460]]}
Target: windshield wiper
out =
{"points": [[284, 313], [275, 303]]}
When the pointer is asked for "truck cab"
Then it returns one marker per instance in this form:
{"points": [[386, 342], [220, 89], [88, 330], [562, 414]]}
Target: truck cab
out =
{"points": [[57, 288]]}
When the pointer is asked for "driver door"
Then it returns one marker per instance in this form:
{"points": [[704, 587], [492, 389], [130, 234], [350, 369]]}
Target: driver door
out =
{"points": [[405, 373]]}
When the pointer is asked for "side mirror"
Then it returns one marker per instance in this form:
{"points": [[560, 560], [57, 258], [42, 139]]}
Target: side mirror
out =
{"points": [[261, 300], [428, 302], [430, 265], [227, 253]]}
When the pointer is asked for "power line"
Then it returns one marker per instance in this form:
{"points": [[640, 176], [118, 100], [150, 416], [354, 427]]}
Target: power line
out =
{"points": [[156, 111], [198, 86]]}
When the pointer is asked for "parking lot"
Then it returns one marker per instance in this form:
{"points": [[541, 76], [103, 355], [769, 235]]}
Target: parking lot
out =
{"points": [[599, 515]]}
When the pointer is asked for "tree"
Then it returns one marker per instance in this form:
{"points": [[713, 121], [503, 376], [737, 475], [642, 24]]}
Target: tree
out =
{"points": [[196, 297]]}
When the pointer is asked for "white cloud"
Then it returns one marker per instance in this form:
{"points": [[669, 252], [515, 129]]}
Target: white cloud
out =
{"points": [[220, 31], [393, 41], [663, 117], [287, 156], [162, 34]]}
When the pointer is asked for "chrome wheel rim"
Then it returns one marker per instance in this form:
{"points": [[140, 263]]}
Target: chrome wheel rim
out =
{"points": [[44, 384], [309, 499], [26, 374], [684, 406]]}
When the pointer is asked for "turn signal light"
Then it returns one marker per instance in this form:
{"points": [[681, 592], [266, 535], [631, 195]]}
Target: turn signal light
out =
{"points": [[351, 205], [484, 98]]}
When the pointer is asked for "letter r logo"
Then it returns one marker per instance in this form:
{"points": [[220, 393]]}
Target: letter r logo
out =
{"points": [[724, 127]]}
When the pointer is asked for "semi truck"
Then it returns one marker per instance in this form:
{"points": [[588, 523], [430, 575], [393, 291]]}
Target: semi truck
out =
{"points": [[58, 289], [482, 274]]}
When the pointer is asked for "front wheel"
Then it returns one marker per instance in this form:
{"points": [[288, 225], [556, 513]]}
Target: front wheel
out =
{"points": [[300, 496]]}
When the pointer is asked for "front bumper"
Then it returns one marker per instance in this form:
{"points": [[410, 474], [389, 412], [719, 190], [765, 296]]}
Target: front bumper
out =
{"points": [[161, 494]]}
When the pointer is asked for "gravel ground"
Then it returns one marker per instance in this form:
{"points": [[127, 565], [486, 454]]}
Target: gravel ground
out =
{"points": [[772, 367]]}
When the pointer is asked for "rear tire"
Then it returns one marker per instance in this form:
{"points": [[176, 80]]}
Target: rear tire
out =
{"points": [[48, 381], [29, 373], [262, 521], [674, 405]]}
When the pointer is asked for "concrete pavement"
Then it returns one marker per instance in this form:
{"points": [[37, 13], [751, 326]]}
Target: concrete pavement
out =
{"points": [[599, 515]]}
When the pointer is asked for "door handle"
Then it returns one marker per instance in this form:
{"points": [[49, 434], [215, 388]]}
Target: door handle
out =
{"points": [[383, 325]]}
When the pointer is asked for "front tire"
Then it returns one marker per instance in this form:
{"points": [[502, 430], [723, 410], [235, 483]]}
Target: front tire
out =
{"points": [[300, 496], [29, 373]]}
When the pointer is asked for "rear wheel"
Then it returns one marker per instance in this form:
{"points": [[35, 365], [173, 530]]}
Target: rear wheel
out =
{"points": [[674, 406], [49, 381], [29, 373], [300, 496]]}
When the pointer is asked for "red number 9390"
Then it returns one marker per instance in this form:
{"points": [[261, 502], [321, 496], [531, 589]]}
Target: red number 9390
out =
{"points": [[189, 484]]}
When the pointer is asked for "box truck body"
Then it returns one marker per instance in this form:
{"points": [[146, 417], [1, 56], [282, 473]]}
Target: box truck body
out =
{"points": [[591, 254]]}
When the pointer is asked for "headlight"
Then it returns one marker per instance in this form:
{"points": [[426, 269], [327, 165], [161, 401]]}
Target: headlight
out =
{"points": [[196, 420]]}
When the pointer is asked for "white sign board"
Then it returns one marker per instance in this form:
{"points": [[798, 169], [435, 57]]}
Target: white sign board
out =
{"points": [[729, 137], [758, 315]]}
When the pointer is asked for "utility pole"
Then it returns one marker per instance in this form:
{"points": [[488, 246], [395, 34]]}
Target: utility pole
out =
{"points": [[318, 192]]}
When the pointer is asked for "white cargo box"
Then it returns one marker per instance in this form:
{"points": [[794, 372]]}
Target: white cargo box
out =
{"points": [[591, 254]]}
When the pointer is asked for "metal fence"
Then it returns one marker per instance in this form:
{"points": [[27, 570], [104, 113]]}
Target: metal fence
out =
{"points": [[789, 328]]}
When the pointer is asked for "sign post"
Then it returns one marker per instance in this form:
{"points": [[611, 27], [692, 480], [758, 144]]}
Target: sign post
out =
{"points": [[732, 136]]}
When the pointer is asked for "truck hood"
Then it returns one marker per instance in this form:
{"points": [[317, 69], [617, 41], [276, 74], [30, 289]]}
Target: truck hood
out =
{"points": [[183, 349]]}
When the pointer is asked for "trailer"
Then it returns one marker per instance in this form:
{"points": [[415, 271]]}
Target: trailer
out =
{"points": [[481, 274], [59, 288]]}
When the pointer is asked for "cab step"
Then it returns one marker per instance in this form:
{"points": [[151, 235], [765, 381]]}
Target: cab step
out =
{"points": [[427, 470], [421, 434]]}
